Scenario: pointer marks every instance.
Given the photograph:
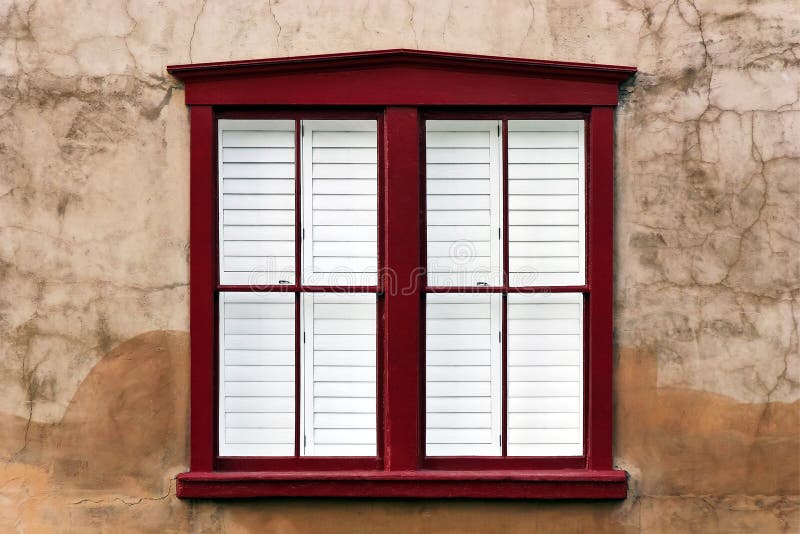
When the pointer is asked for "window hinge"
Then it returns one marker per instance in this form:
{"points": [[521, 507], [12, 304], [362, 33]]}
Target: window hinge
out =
{"points": [[499, 336], [302, 130], [304, 234], [499, 234], [304, 336], [498, 130], [500, 440], [304, 440]]}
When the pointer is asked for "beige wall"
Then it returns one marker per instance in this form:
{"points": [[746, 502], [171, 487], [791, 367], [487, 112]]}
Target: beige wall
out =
{"points": [[93, 255]]}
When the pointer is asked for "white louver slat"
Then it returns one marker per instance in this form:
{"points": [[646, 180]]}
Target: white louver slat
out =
{"points": [[463, 375], [256, 201], [463, 197], [340, 186], [545, 374], [339, 355], [256, 384], [546, 197]]}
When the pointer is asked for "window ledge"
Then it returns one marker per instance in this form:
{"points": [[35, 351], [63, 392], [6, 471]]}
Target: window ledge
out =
{"points": [[556, 484]]}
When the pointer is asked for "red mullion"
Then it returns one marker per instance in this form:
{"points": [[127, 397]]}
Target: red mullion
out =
{"points": [[296, 463], [401, 374]]}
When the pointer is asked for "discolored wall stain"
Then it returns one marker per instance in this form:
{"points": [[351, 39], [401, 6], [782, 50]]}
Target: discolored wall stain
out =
{"points": [[111, 460], [94, 252]]}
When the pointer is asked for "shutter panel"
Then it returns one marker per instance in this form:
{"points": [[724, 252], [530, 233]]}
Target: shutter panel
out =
{"points": [[256, 201], [257, 388], [339, 383], [463, 197], [545, 374], [546, 191], [463, 374], [340, 203]]}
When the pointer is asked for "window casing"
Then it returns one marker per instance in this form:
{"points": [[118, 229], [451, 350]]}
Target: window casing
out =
{"points": [[516, 96]]}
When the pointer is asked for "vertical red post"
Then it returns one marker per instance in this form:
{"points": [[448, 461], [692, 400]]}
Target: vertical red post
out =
{"points": [[202, 284], [600, 271], [401, 376]]}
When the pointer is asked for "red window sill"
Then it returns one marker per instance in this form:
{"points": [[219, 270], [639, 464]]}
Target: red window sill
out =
{"points": [[557, 484]]}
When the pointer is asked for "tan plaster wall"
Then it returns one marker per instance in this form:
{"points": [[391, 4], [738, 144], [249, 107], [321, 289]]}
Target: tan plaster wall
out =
{"points": [[93, 255]]}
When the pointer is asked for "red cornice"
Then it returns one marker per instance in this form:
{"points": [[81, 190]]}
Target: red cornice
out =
{"points": [[405, 57]]}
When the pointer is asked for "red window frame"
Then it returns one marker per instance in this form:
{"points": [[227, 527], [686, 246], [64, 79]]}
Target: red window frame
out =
{"points": [[401, 87]]}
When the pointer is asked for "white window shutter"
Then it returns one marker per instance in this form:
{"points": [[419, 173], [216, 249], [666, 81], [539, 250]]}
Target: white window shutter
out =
{"points": [[339, 356], [464, 202], [340, 203], [256, 201], [463, 375], [256, 378], [546, 202], [545, 374]]}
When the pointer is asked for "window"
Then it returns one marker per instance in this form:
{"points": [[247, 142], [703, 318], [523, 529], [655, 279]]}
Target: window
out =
{"points": [[298, 267], [505, 228], [401, 277]]}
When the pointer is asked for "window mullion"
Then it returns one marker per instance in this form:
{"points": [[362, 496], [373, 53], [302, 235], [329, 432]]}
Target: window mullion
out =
{"points": [[402, 311]]}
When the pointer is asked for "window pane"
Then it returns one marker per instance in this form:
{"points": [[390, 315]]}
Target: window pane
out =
{"points": [[339, 354], [463, 197], [340, 203], [546, 183], [545, 374], [256, 201], [463, 374], [257, 391]]}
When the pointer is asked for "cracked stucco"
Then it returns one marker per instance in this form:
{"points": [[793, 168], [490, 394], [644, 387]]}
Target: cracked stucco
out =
{"points": [[94, 247]]}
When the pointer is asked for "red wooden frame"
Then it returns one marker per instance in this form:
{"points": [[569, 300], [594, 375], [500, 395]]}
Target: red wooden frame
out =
{"points": [[504, 461], [400, 86]]}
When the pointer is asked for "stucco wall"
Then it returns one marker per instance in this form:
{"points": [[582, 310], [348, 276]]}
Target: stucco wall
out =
{"points": [[94, 248]]}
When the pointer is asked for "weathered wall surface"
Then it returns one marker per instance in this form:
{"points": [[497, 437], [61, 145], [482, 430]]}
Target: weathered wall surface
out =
{"points": [[93, 255]]}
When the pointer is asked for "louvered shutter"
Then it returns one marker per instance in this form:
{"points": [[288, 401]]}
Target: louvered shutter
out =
{"points": [[340, 218], [545, 374], [339, 374], [256, 201], [463, 197], [463, 374], [256, 379], [546, 200]]}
